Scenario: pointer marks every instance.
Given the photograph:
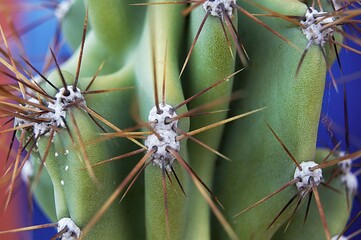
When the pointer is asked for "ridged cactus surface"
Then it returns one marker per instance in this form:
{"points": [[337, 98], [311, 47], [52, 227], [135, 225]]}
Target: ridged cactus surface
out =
{"points": [[182, 119]]}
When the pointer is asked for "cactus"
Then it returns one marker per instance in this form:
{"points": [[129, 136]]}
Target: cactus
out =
{"points": [[182, 120]]}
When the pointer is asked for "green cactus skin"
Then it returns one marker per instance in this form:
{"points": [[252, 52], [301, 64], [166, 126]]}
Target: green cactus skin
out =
{"points": [[69, 167], [116, 28], [204, 70], [56, 178], [116, 25], [333, 203], [163, 41], [78, 187], [75, 15], [44, 191], [140, 45], [292, 109]]}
